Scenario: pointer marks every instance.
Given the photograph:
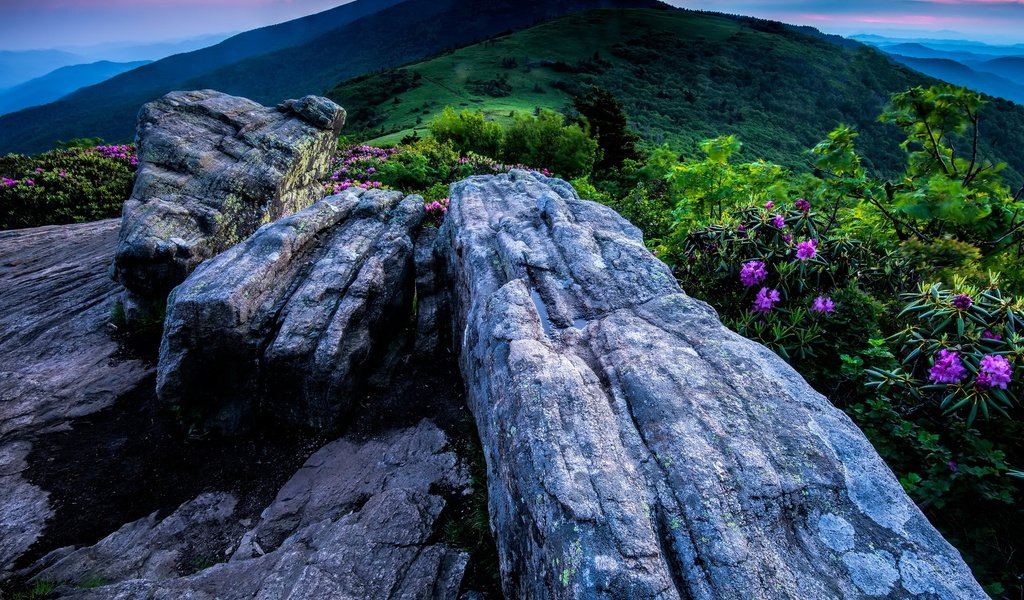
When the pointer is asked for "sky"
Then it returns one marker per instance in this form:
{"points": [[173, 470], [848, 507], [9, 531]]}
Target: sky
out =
{"points": [[30, 24], [992, 21]]}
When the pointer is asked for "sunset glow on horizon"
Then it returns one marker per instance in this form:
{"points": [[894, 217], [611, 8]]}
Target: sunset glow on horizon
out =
{"points": [[36, 24]]}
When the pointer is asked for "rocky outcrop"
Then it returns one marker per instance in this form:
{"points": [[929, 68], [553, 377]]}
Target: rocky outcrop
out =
{"points": [[212, 169], [358, 520], [283, 325], [58, 358], [636, 448]]}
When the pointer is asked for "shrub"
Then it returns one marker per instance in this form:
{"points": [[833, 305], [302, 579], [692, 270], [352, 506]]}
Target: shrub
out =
{"points": [[568, 150], [65, 186], [468, 131]]}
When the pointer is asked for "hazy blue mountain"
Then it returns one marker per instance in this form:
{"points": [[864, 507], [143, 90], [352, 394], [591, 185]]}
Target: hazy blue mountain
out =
{"points": [[19, 66], [960, 74], [945, 45], [59, 83], [303, 56], [1009, 67], [917, 50]]}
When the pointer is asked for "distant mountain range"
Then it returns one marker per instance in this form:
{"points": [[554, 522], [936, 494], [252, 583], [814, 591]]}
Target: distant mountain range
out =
{"points": [[61, 82], [270, 64], [21, 66], [994, 70]]}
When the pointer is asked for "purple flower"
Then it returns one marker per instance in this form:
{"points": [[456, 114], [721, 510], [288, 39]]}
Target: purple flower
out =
{"points": [[802, 205], [765, 300], [742, 227], [787, 238], [753, 273], [994, 371], [769, 205], [988, 335], [947, 368], [962, 302], [778, 221], [952, 466], [40, 169], [29, 182], [807, 250], [823, 304]]}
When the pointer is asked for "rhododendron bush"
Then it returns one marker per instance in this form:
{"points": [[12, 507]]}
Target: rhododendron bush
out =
{"points": [[71, 185], [898, 298]]}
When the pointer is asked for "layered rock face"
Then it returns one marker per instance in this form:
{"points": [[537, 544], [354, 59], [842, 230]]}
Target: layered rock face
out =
{"points": [[58, 359], [212, 169], [284, 324], [636, 448], [358, 520]]}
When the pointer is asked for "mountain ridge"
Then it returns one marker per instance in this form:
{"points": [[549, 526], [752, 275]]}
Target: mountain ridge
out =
{"points": [[61, 82], [408, 30]]}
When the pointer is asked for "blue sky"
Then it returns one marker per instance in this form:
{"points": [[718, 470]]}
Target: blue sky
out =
{"points": [[26, 24]]}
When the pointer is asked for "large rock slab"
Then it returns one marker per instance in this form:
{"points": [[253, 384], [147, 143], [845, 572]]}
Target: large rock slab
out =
{"points": [[636, 448], [212, 169], [359, 520], [58, 357], [282, 325]]}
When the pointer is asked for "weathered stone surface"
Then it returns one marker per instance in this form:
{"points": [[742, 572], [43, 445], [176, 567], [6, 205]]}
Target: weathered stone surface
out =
{"points": [[148, 548], [212, 169], [358, 520], [638, 449], [58, 360], [282, 324]]}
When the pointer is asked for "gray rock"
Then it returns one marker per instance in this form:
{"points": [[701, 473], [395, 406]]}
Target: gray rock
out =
{"points": [[636, 448], [212, 169], [359, 520], [148, 548], [282, 324], [58, 359]]}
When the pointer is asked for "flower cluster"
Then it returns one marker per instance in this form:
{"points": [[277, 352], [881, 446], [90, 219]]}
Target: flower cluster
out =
{"points": [[823, 304], [355, 167], [994, 372], [962, 302], [124, 152], [947, 368], [437, 210], [481, 165], [753, 273], [765, 300], [802, 205], [807, 250]]}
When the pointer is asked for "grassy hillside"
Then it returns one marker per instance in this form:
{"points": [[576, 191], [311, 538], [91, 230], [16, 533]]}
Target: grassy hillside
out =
{"points": [[293, 59], [682, 76]]}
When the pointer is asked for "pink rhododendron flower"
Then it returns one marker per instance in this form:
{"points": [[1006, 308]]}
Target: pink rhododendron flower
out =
{"points": [[807, 250], [947, 368]]}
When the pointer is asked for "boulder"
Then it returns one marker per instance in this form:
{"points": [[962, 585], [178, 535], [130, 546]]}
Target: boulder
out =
{"points": [[212, 169], [282, 325], [358, 520], [635, 447], [59, 359]]}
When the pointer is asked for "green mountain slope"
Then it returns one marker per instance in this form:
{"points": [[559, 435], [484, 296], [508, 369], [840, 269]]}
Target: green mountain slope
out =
{"points": [[293, 59], [682, 76]]}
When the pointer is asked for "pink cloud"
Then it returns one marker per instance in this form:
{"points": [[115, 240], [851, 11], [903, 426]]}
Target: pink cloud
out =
{"points": [[880, 19]]}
